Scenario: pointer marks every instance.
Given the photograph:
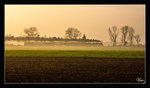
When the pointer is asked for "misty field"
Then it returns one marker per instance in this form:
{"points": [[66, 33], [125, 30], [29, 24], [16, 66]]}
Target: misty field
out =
{"points": [[74, 64]]}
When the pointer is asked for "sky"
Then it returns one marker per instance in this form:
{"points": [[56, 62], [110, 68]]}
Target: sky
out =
{"points": [[91, 20]]}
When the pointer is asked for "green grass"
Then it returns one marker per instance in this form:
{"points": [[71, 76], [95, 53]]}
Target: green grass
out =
{"points": [[76, 53]]}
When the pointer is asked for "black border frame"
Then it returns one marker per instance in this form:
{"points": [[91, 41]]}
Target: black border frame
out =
{"points": [[3, 2]]}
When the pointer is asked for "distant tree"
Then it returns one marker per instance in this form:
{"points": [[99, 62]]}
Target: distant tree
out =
{"points": [[137, 38], [9, 37], [113, 33], [124, 31], [44, 36], [54, 38], [31, 32], [72, 33], [38, 35], [84, 37], [131, 35]]}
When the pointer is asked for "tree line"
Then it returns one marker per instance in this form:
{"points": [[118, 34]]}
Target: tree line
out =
{"points": [[33, 34], [128, 35]]}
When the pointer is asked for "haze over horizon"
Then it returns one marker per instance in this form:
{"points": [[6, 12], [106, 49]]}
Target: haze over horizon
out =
{"points": [[91, 20]]}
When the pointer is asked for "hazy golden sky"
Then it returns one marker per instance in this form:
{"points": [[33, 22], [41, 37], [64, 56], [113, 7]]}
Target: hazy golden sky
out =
{"points": [[91, 20]]}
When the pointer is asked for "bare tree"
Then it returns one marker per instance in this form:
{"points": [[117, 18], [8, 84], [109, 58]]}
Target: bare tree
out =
{"points": [[131, 35], [72, 33], [124, 31], [31, 32], [113, 33], [137, 38]]}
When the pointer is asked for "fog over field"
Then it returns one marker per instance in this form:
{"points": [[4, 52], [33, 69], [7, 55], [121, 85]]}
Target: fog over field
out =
{"points": [[91, 20]]}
